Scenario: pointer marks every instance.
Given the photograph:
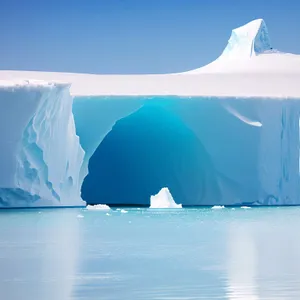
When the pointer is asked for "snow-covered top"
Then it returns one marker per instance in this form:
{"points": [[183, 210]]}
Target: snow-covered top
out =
{"points": [[16, 83], [248, 67], [249, 50]]}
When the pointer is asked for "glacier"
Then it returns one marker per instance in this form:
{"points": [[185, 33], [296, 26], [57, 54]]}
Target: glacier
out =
{"points": [[224, 134], [40, 152]]}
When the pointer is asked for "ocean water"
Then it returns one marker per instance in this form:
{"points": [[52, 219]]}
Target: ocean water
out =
{"points": [[145, 254]]}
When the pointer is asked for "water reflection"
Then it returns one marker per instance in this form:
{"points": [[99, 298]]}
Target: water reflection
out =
{"points": [[38, 254], [241, 264], [263, 258], [148, 254]]}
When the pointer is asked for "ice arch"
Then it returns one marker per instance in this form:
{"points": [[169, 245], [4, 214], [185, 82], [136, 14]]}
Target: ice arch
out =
{"points": [[252, 147], [95, 117], [146, 151]]}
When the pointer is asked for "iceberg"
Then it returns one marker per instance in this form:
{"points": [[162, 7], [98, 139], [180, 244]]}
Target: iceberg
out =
{"points": [[223, 134], [41, 155], [98, 207], [163, 199], [218, 207]]}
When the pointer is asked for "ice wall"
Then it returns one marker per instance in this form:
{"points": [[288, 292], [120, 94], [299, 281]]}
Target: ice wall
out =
{"points": [[40, 153], [253, 144], [240, 151], [279, 154]]}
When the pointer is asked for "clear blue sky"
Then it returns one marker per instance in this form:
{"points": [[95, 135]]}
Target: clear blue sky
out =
{"points": [[133, 36]]}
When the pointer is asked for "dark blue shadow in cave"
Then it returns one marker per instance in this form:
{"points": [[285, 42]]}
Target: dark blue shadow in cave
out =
{"points": [[144, 152]]}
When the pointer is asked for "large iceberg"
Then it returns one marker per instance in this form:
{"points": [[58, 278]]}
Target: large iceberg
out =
{"points": [[40, 153], [224, 134]]}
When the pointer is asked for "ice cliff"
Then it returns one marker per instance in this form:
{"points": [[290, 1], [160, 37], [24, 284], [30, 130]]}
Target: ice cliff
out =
{"points": [[224, 134], [40, 153]]}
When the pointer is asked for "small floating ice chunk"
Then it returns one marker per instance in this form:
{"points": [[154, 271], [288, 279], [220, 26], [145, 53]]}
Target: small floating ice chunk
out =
{"points": [[218, 207], [80, 216], [245, 207], [123, 211], [163, 199], [98, 207], [108, 214]]}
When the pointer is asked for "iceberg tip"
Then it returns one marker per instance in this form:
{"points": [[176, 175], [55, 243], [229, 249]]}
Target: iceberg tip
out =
{"points": [[248, 40]]}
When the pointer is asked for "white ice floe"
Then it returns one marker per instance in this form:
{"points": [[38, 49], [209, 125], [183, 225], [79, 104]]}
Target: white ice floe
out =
{"points": [[98, 207], [218, 207], [163, 199]]}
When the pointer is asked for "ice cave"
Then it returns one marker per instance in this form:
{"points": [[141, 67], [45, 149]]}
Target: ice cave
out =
{"points": [[146, 151], [224, 134]]}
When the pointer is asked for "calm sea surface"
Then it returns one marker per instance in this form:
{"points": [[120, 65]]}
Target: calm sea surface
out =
{"points": [[60, 254]]}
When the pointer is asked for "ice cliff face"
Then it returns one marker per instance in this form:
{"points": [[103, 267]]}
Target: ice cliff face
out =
{"points": [[40, 153]]}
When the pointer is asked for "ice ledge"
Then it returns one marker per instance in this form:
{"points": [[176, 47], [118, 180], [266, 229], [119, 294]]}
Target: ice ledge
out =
{"points": [[248, 40], [31, 84]]}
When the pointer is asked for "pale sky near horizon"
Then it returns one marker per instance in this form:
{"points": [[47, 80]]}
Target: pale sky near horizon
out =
{"points": [[133, 36]]}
